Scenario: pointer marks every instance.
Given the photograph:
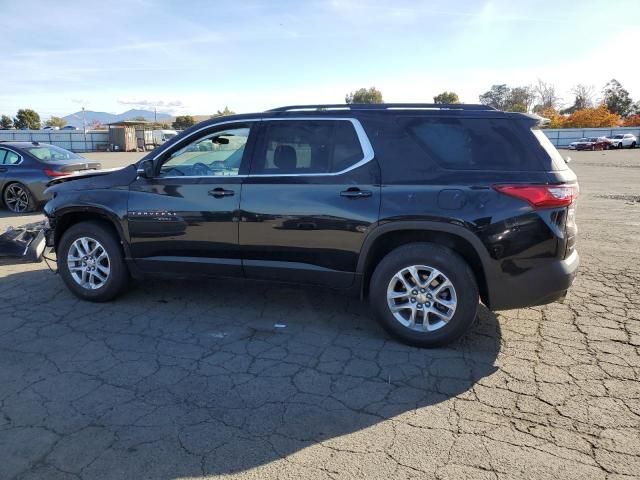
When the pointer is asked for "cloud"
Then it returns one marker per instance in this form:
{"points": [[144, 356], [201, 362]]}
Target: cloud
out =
{"points": [[152, 103]]}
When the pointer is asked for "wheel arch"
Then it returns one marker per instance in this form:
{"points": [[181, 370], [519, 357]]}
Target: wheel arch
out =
{"points": [[74, 215], [387, 237]]}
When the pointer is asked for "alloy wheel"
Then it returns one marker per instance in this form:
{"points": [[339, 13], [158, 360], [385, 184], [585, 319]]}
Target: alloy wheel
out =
{"points": [[421, 298], [88, 263], [16, 198]]}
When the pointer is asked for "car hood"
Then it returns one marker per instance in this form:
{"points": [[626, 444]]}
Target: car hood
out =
{"points": [[92, 179]]}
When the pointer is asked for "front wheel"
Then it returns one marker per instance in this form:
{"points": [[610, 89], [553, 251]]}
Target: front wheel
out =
{"points": [[424, 294], [91, 263], [633, 145]]}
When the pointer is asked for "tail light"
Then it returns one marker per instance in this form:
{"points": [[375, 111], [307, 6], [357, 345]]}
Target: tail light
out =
{"points": [[542, 196], [52, 173]]}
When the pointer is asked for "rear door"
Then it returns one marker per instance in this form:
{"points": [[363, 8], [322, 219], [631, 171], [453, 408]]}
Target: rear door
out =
{"points": [[185, 219], [312, 195]]}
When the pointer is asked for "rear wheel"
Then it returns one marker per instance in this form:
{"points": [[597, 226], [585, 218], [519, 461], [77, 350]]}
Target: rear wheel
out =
{"points": [[424, 294], [633, 145], [18, 198], [91, 263]]}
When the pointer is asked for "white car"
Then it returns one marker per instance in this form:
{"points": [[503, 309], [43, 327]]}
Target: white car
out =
{"points": [[572, 145], [623, 140]]}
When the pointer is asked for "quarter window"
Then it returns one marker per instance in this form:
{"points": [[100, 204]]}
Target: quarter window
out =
{"points": [[215, 155], [472, 144], [307, 147]]}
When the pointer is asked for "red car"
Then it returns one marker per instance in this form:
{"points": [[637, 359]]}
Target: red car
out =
{"points": [[594, 143]]}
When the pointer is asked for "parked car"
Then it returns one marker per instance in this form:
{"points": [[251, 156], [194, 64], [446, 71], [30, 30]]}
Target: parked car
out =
{"points": [[424, 209], [572, 145], [593, 143], [51, 128], [27, 167], [69, 127], [161, 136], [624, 140]]}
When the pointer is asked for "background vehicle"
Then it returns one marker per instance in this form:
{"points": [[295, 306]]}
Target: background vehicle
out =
{"points": [[593, 143], [572, 145], [26, 167], [624, 140], [161, 136], [425, 209], [69, 127]]}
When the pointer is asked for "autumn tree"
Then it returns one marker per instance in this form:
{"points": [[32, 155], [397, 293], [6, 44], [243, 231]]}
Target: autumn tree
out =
{"points": [[632, 121], [183, 121], [364, 95], [556, 120], [27, 119], [592, 118], [55, 122], [617, 98], [446, 97], [5, 122]]}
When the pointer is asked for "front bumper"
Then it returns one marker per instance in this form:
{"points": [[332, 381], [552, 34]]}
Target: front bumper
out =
{"points": [[537, 286], [26, 243]]}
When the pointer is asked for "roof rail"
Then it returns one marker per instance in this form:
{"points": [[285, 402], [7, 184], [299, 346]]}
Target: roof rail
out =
{"points": [[384, 106]]}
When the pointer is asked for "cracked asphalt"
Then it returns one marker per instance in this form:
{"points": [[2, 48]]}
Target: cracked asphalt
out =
{"points": [[253, 380]]}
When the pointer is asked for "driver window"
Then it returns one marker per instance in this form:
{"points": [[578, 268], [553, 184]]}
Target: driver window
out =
{"points": [[217, 154]]}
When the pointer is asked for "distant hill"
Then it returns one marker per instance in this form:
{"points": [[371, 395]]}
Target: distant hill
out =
{"points": [[104, 118]]}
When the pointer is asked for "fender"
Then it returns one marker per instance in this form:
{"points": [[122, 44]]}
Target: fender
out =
{"points": [[487, 264], [99, 212]]}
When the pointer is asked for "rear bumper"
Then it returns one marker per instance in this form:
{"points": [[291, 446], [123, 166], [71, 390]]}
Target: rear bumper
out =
{"points": [[25, 243], [537, 286]]}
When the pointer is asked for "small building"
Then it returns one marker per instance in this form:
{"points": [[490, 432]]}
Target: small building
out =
{"points": [[131, 135]]}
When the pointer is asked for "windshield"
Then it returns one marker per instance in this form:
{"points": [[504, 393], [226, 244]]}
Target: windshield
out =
{"points": [[51, 153], [619, 136]]}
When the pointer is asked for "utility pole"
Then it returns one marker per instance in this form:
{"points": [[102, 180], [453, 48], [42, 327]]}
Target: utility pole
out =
{"points": [[84, 130], [155, 114]]}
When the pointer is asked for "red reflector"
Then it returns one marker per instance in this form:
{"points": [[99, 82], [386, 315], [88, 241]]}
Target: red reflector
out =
{"points": [[52, 173], [542, 196]]}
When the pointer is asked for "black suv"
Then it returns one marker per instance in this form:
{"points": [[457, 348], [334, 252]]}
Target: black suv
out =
{"points": [[422, 208]]}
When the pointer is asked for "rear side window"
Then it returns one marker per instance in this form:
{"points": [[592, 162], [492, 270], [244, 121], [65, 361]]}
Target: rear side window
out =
{"points": [[473, 144], [557, 161], [7, 157], [307, 146]]}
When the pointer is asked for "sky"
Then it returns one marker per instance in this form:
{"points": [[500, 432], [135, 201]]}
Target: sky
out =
{"points": [[198, 56]]}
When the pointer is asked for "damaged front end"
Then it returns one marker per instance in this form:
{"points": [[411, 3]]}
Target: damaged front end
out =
{"points": [[26, 243]]}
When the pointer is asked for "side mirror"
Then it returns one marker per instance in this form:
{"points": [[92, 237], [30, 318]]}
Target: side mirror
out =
{"points": [[145, 169]]}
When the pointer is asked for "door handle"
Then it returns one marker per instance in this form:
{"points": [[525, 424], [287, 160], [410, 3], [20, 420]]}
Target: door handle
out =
{"points": [[221, 192], [3, 169], [355, 193]]}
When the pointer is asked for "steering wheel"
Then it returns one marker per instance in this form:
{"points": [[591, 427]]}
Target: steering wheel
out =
{"points": [[200, 169]]}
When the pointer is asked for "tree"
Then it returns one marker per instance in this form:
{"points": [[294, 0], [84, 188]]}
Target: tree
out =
{"points": [[183, 121], [496, 97], [632, 121], [592, 118], [583, 98], [446, 97], [56, 122], [96, 125], [616, 98], [364, 95], [5, 122], [518, 99], [223, 113], [547, 96], [555, 119], [27, 119]]}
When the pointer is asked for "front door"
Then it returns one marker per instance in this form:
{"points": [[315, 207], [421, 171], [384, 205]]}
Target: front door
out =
{"points": [[312, 195], [185, 218]]}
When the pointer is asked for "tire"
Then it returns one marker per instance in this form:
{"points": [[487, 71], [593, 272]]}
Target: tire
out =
{"points": [[18, 199], [620, 145], [117, 277], [429, 258], [633, 145]]}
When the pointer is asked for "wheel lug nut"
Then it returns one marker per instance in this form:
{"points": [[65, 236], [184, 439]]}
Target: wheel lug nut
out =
{"points": [[413, 300], [422, 290], [427, 304], [429, 296], [415, 292], [419, 305]]}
